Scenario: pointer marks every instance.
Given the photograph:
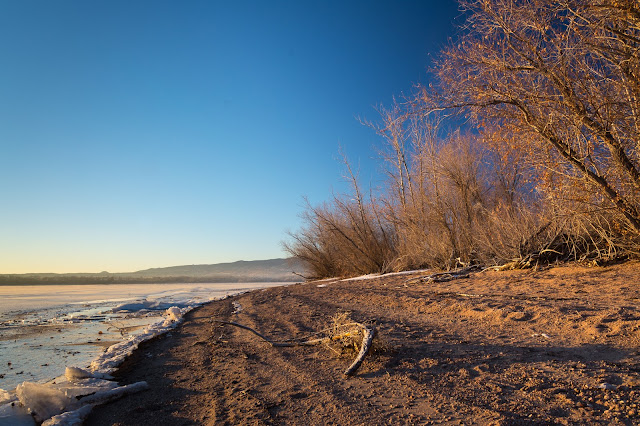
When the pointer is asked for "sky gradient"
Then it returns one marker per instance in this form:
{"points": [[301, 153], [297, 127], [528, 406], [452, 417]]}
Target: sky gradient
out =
{"points": [[139, 134]]}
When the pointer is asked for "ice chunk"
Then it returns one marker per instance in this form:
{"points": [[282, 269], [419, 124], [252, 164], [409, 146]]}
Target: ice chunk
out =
{"points": [[47, 403], [42, 401], [46, 400], [70, 418], [74, 374], [111, 394], [174, 313], [5, 397], [76, 417], [82, 387]]}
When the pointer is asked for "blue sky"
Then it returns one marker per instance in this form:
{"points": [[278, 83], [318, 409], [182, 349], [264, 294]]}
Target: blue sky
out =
{"points": [[138, 134]]}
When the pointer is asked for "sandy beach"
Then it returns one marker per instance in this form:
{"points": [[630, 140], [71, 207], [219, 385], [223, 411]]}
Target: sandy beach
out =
{"points": [[556, 346]]}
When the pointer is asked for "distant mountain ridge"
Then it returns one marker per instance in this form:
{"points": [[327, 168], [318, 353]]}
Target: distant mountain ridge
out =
{"points": [[272, 270]]}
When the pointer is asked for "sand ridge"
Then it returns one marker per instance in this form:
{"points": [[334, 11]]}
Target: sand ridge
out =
{"points": [[557, 346]]}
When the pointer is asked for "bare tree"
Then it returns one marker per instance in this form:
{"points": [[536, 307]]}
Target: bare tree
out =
{"points": [[564, 77]]}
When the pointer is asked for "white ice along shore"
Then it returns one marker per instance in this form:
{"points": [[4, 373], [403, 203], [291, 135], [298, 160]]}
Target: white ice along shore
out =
{"points": [[68, 399]]}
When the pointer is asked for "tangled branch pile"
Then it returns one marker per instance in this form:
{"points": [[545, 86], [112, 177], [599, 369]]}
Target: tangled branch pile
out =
{"points": [[343, 336]]}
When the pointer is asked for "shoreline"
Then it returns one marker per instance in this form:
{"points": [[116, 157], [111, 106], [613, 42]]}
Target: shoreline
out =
{"points": [[101, 364], [173, 281], [557, 346]]}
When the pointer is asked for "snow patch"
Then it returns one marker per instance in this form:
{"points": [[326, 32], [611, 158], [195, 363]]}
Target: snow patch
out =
{"points": [[606, 386], [390, 274], [545, 335], [363, 277]]}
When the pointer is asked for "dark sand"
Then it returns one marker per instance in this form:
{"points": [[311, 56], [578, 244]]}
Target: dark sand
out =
{"points": [[519, 347]]}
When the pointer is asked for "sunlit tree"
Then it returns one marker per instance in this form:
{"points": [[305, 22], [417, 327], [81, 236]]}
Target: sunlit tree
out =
{"points": [[562, 78]]}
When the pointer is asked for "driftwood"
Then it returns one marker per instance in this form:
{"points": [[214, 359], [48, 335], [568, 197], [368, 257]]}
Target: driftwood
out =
{"points": [[445, 276], [369, 334]]}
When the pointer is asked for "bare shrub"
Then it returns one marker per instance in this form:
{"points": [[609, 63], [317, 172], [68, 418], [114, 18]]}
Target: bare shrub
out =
{"points": [[450, 199], [347, 237], [447, 202]]}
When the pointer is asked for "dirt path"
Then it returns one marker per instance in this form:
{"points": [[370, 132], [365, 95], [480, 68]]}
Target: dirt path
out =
{"points": [[516, 347]]}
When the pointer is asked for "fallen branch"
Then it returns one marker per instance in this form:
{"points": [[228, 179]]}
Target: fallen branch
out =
{"points": [[445, 276], [266, 339], [301, 276], [369, 334]]}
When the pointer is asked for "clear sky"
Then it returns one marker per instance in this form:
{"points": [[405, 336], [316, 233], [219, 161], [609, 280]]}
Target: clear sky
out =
{"points": [[138, 134]]}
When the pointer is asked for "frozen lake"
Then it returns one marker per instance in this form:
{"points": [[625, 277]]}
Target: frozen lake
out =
{"points": [[45, 328]]}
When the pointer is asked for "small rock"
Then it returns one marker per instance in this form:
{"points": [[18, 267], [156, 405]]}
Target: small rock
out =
{"points": [[607, 386], [517, 316], [482, 368]]}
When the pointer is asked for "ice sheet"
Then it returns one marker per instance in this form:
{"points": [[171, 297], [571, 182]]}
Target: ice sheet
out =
{"points": [[68, 399]]}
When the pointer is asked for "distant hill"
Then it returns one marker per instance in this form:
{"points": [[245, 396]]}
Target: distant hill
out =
{"points": [[261, 270], [273, 270]]}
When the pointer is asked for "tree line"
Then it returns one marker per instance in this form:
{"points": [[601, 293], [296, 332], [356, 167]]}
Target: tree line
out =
{"points": [[44, 279]]}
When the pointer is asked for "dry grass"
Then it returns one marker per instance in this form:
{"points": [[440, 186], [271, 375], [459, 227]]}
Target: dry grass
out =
{"points": [[345, 337]]}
